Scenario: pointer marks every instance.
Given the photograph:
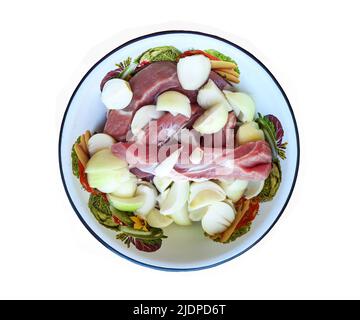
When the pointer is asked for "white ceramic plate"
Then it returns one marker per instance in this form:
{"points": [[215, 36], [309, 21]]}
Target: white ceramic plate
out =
{"points": [[185, 248]]}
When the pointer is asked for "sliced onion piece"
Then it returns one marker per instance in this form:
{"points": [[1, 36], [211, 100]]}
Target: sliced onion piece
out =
{"points": [[198, 214], [197, 155], [193, 71], [210, 95], [162, 183], [253, 189], [126, 204], [176, 198], [98, 142], [205, 193], [104, 160], [143, 116], [181, 217], [212, 120], [127, 188], [218, 218], [174, 102], [162, 197], [149, 194], [234, 189], [249, 132], [116, 94], [165, 167], [157, 220], [242, 104]]}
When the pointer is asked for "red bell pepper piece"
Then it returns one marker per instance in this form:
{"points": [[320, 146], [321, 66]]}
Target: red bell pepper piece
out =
{"points": [[194, 52]]}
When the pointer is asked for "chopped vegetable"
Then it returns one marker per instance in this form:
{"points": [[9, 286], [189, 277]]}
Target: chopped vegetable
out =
{"points": [[196, 156], [176, 198], [149, 195], [229, 71], [239, 232], [218, 218], [164, 53], [278, 129], [228, 76], [205, 198], [162, 197], [222, 57], [249, 132], [127, 188], [273, 135], [193, 71], [272, 183], [181, 217], [126, 204], [174, 102], [108, 181], [143, 116], [243, 207], [122, 216], [139, 223], [104, 160], [243, 226], [162, 183], [148, 241], [124, 71], [98, 142], [83, 144], [125, 68], [79, 161], [164, 168], [197, 215], [210, 95], [81, 148], [222, 65], [116, 94], [157, 220], [253, 189], [100, 208], [81, 154], [83, 179], [242, 104], [87, 135], [147, 245], [212, 120], [75, 159], [106, 172], [234, 189], [205, 193], [250, 214], [195, 52]]}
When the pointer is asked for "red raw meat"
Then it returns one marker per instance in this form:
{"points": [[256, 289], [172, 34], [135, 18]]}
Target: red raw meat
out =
{"points": [[146, 85], [161, 130], [251, 161]]}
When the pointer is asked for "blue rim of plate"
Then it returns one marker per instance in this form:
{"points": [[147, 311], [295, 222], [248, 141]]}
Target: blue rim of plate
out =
{"points": [[158, 34]]}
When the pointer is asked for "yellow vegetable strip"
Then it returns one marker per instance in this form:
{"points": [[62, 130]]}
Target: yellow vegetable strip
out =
{"points": [[229, 71], [82, 156], [216, 64], [228, 76], [229, 231], [87, 136], [83, 144]]}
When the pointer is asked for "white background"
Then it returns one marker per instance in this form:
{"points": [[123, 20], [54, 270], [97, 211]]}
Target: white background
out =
{"points": [[312, 47]]}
